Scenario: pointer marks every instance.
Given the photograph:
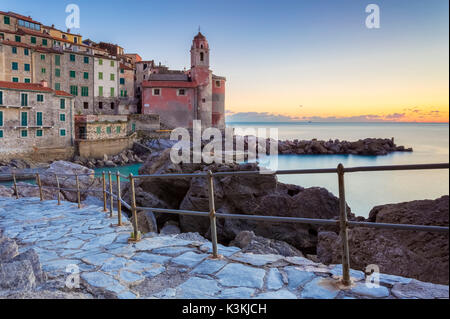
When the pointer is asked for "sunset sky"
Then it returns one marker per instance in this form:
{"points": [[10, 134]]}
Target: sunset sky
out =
{"points": [[288, 60]]}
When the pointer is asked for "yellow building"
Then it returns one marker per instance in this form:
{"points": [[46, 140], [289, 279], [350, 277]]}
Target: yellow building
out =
{"points": [[58, 34]]}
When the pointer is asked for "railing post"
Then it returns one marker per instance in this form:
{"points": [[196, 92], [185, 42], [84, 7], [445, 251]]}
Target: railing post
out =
{"points": [[119, 203], [38, 181], [105, 209], [212, 214], [78, 191], [343, 227], [59, 189], [136, 236], [15, 184], [111, 198]]}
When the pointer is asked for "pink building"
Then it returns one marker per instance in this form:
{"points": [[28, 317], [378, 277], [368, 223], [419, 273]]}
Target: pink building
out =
{"points": [[179, 97]]}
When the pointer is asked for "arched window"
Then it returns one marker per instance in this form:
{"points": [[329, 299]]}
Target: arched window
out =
{"points": [[202, 56], [201, 46]]}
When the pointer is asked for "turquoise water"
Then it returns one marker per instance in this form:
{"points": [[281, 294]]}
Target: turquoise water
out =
{"points": [[366, 190]]}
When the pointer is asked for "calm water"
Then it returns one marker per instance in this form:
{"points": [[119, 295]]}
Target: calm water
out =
{"points": [[366, 190]]}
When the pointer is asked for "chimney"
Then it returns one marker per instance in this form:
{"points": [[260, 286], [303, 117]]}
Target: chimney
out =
{"points": [[44, 83], [68, 30], [53, 26]]}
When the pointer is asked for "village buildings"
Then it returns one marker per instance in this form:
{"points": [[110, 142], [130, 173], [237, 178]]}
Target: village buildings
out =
{"points": [[100, 79]]}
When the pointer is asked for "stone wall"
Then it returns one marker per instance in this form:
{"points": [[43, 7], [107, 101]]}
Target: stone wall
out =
{"points": [[144, 122], [97, 148]]}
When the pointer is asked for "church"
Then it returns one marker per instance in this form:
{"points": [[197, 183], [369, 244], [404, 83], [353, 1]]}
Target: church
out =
{"points": [[180, 97]]}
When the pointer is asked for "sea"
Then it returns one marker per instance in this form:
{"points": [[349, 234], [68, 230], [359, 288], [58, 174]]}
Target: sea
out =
{"points": [[365, 190]]}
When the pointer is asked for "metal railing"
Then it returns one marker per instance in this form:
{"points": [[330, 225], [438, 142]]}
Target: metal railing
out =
{"points": [[343, 223]]}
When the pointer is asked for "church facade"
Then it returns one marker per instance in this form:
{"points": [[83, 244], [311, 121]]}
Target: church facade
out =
{"points": [[180, 97]]}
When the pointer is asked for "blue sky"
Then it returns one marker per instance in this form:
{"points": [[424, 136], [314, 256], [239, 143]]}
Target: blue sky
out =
{"points": [[278, 55]]}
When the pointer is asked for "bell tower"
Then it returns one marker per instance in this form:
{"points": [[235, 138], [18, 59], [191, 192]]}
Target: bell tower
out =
{"points": [[200, 52]]}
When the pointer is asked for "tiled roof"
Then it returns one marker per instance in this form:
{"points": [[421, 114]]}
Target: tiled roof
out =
{"points": [[168, 77], [169, 84], [19, 16], [30, 87]]}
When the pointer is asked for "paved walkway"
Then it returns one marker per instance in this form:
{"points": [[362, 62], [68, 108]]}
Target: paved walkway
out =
{"points": [[175, 266]]}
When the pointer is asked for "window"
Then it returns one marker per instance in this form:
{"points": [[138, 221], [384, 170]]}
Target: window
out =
{"points": [[14, 50], [156, 92], [112, 92], [6, 20], [72, 74], [57, 73], [27, 80], [203, 100], [33, 40], [15, 80], [182, 92], [39, 119], [122, 71], [112, 77], [108, 130], [100, 62], [218, 84], [57, 60], [43, 57], [24, 99], [122, 81], [24, 133], [100, 91], [1, 118], [62, 117], [26, 51], [44, 42], [86, 75], [100, 75], [24, 118], [27, 67], [62, 132], [62, 104], [1, 98], [86, 105], [43, 70], [39, 133], [133, 127], [15, 66], [18, 38], [118, 129], [99, 130], [84, 91], [113, 106], [86, 59], [202, 56], [74, 90], [72, 58], [58, 86], [100, 105], [112, 63], [1, 133], [40, 97]]}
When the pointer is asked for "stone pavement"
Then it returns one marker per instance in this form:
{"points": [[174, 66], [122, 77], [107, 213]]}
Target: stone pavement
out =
{"points": [[68, 239]]}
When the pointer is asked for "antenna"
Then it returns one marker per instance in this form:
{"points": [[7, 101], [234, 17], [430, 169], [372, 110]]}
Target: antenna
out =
{"points": [[199, 29]]}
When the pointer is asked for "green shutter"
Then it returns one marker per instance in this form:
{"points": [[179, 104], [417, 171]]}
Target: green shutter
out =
{"points": [[57, 73], [86, 60], [17, 38], [42, 57], [62, 132], [1, 97], [62, 117], [27, 67], [15, 66], [24, 99], [57, 60], [58, 86], [112, 92], [100, 91], [44, 42], [1, 133], [24, 133], [86, 75], [14, 50], [24, 119], [6, 20], [84, 91], [27, 81], [1, 117], [40, 98], [15, 80], [62, 104], [122, 81], [33, 40], [99, 130], [112, 77], [108, 130], [118, 129], [74, 90], [39, 119], [26, 51], [100, 75], [72, 57], [39, 133], [72, 74]]}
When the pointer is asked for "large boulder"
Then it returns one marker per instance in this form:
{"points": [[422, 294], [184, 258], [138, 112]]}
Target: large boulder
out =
{"points": [[6, 191], [18, 275], [8, 249], [31, 256], [420, 255], [66, 172], [250, 243]]}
